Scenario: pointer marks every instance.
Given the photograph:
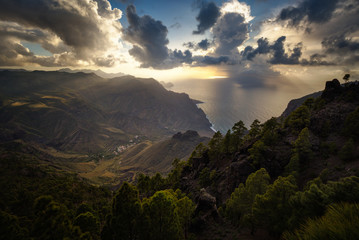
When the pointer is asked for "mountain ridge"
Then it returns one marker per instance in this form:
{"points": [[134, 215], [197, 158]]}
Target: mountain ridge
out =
{"points": [[67, 110]]}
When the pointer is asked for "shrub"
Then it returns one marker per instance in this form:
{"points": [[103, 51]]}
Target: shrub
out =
{"points": [[347, 151], [339, 222]]}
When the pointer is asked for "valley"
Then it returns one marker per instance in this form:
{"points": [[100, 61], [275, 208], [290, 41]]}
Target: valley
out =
{"points": [[102, 129], [82, 146]]}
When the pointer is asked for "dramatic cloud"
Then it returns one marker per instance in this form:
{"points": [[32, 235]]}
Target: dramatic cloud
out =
{"points": [[230, 31], [183, 57], [312, 11], [71, 30], [207, 17], [203, 45], [333, 23], [263, 48], [149, 39], [234, 6], [340, 44], [281, 57], [343, 49], [316, 60], [276, 50], [208, 60], [231, 28]]}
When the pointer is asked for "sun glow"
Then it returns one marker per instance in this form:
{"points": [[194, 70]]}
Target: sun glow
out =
{"points": [[218, 77]]}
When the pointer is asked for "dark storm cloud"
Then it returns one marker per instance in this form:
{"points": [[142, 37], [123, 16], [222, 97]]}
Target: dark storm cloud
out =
{"points": [[183, 57], [334, 23], [281, 57], [207, 17], [276, 50], [263, 48], [316, 60], [229, 32], [209, 60], [149, 39], [178, 57], [344, 50], [204, 44], [340, 44], [313, 11], [215, 60]]}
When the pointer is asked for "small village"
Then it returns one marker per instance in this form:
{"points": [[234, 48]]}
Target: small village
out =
{"points": [[122, 148]]}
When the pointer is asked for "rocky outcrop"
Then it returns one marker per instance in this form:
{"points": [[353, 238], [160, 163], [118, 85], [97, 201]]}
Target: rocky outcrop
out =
{"points": [[206, 204], [332, 89], [206, 211]]}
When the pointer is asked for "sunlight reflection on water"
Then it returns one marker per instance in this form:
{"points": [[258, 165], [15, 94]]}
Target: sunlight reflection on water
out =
{"points": [[225, 102]]}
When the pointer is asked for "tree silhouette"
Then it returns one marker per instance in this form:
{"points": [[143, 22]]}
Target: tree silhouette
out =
{"points": [[346, 77]]}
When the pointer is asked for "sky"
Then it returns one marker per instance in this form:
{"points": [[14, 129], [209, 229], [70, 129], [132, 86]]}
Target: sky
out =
{"points": [[258, 43]]}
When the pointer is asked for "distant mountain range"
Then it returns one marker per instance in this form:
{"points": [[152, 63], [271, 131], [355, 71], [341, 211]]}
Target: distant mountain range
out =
{"points": [[84, 113], [98, 72]]}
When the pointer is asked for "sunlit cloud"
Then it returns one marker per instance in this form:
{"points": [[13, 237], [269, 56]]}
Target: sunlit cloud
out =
{"points": [[235, 6], [77, 33]]}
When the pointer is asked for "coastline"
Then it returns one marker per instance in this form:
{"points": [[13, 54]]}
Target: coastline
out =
{"points": [[197, 102]]}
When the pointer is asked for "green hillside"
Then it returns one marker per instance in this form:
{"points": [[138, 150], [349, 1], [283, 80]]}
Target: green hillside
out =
{"points": [[289, 178]]}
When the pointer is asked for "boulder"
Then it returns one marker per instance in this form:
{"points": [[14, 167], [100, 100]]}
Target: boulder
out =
{"points": [[206, 212], [332, 89], [206, 202]]}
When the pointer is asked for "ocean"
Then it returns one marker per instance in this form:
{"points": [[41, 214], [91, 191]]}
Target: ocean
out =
{"points": [[225, 102]]}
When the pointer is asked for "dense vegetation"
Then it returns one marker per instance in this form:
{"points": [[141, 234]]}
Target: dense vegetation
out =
{"points": [[293, 178], [41, 202], [291, 175]]}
